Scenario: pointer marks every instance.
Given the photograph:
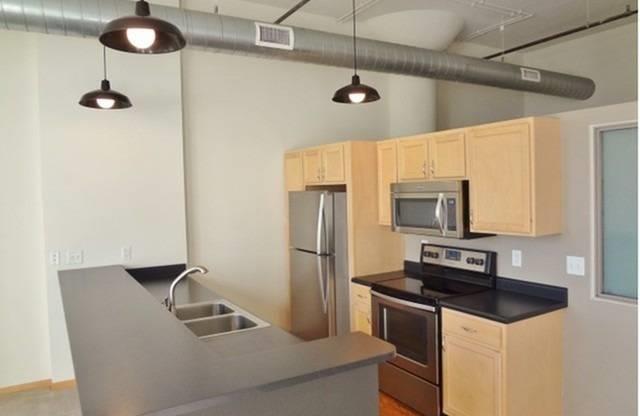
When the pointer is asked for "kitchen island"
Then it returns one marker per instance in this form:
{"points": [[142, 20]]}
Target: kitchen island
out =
{"points": [[132, 357]]}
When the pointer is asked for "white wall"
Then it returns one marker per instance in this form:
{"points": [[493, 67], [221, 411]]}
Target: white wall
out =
{"points": [[24, 350], [241, 115], [607, 56], [600, 337], [110, 178]]}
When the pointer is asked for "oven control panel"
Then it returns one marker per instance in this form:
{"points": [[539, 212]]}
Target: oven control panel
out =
{"points": [[458, 258]]}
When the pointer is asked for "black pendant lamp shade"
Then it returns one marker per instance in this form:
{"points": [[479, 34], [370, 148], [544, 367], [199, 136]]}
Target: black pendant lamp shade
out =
{"points": [[105, 98], [355, 93], [142, 33]]}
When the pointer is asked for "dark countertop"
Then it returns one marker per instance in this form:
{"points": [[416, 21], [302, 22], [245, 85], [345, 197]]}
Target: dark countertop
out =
{"points": [[503, 306], [133, 357], [375, 278]]}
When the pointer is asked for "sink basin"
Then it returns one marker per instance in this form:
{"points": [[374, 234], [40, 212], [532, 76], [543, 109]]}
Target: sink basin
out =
{"points": [[202, 310], [220, 325]]}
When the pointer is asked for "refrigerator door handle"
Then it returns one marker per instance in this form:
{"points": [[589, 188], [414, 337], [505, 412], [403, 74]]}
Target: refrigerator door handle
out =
{"points": [[323, 287], [320, 228]]}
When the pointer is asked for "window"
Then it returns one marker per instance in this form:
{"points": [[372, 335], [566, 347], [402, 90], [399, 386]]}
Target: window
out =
{"points": [[617, 212]]}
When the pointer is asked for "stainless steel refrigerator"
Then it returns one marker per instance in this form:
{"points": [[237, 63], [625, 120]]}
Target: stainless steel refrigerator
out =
{"points": [[318, 264]]}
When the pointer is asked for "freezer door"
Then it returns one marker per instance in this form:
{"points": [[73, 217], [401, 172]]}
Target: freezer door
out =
{"points": [[310, 221], [310, 295]]}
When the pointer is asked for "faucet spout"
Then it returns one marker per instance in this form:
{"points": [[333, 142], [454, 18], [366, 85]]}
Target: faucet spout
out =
{"points": [[170, 301]]}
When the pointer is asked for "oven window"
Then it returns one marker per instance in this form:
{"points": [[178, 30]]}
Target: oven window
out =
{"points": [[417, 213], [407, 331]]}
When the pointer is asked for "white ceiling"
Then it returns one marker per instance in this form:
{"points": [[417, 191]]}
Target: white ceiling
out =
{"points": [[531, 19]]}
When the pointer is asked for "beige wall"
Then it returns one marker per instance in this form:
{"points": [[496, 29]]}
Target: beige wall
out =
{"points": [[24, 350], [607, 56], [601, 337]]}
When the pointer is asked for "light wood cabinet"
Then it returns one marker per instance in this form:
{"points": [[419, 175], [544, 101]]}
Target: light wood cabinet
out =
{"points": [[360, 308], [446, 153], [312, 162], [324, 165], [495, 369], [293, 171], [387, 174], [333, 163], [412, 158], [515, 177]]}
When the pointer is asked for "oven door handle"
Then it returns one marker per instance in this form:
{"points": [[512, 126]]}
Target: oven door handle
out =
{"points": [[403, 302]]}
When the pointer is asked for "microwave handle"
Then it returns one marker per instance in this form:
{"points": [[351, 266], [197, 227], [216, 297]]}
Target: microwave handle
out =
{"points": [[439, 211]]}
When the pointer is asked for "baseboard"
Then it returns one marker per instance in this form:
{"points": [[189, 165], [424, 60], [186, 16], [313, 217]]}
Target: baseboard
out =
{"points": [[39, 385], [34, 385], [65, 384]]}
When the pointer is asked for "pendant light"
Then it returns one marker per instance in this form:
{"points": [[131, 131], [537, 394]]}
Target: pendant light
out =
{"points": [[142, 33], [105, 98], [355, 93]]}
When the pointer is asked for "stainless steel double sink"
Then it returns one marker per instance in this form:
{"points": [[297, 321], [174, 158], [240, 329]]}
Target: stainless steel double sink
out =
{"points": [[215, 318]]}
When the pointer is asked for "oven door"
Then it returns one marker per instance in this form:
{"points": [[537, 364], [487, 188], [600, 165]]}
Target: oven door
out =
{"points": [[429, 213], [413, 329]]}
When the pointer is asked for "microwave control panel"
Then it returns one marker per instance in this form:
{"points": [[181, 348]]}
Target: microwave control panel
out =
{"points": [[458, 258]]}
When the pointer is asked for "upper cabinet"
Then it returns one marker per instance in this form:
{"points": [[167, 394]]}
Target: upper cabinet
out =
{"points": [[387, 174], [412, 158], [515, 177], [293, 171], [446, 153], [324, 165]]}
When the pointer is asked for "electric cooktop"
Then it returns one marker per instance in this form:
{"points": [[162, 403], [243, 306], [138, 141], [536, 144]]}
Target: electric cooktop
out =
{"points": [[447, 272]]}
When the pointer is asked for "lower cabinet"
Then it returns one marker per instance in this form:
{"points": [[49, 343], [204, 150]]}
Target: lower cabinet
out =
{"points": [[495, 369], [360, 308]]}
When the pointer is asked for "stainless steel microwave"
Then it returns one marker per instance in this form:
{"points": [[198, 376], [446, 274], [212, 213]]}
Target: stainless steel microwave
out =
{"points": [[432, 208]]}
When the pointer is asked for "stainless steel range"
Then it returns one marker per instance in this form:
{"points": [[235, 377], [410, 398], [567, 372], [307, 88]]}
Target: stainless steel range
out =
{"points": [[406, 313]]}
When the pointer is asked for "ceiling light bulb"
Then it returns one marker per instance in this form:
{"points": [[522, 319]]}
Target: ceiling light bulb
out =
{"points": [[106, 103], [357, 97], [141, 38]]}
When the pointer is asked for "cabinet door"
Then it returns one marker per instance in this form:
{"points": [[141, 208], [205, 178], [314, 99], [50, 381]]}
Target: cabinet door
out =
{"points": [[362, 317], [387, 174], [472, 379], [333, 163], [412, 159], [447, 156], [500, 178], [293, 171], [312, 160]]}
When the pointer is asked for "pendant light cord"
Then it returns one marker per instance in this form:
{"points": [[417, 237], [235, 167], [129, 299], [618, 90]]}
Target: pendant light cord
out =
{"points": [[355, 58], [104, 61]]}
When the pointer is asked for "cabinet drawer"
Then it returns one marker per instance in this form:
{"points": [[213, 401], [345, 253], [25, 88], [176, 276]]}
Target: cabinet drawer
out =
{"points": [[472, 328], [361, 293]]}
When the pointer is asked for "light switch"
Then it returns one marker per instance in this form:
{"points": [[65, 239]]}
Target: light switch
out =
{"points": [[54, 258], [516, 258], [74, 257], [575, 265], [125, 253]]}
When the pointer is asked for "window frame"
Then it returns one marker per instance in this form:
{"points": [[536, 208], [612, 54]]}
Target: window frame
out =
{"points": [[596, 217]]}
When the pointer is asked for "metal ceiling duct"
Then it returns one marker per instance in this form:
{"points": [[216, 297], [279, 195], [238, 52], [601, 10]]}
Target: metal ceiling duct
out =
{"points": [[86, 18]]}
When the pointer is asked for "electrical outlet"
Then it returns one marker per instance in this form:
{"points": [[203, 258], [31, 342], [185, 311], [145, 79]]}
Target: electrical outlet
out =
{"points": [[516, 258], [54, 258], [74, 257], [125, 254], [575, 265]]}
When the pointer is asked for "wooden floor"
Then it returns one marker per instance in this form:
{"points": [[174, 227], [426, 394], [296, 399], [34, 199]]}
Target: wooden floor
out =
{"points": [[391, 407]]}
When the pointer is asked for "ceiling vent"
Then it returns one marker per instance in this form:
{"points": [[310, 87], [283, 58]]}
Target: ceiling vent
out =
{"points": [[529, 74], [274, 36]]}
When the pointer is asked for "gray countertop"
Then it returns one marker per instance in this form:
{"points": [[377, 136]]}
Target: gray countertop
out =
{"points": [[132, 357]]}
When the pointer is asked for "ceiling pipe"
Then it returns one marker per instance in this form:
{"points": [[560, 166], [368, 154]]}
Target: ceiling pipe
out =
{"points": [[236, 35]]}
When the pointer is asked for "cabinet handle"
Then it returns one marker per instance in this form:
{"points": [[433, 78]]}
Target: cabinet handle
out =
{"points": [[424, 169], [470, 330], [471, 216], [319, 174], [433, 167]]}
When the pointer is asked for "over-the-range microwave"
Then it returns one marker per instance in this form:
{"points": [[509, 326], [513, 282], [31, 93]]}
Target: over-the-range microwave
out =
{"points": [[439, 208]]}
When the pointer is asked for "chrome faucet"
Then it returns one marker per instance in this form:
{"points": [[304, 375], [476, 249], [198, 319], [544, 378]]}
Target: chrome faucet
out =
{"points": [[170, 301]]}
